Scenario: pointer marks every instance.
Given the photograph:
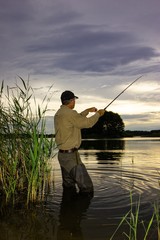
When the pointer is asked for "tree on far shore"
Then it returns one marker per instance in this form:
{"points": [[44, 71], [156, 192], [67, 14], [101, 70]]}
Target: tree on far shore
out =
{"points": [[109, 125]]}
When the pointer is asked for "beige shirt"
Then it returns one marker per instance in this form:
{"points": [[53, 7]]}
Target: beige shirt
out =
{"points": [[68, 124]]}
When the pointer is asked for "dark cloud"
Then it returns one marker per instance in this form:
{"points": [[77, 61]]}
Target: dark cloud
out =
{"points": [[147, 121], [44, 37], [135, 116], [104, 60], [77, 37], [86, 48], [15, 12], [143, 117]]}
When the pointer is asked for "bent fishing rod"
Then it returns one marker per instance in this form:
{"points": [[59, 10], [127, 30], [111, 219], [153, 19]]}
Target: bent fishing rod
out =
{"points": [[122, 92]]}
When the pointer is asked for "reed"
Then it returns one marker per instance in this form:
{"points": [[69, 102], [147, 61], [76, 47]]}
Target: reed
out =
{"points": [[157, 216], [25, 150], [132, 222]]}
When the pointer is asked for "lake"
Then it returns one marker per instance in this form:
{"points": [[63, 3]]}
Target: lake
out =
{"points": [[123, 171]]}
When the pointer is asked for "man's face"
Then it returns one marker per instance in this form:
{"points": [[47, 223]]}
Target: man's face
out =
{"points": [[73, 103]]}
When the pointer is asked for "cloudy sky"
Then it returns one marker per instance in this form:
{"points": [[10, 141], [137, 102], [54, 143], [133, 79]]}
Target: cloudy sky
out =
{"points": [[92, 47]]}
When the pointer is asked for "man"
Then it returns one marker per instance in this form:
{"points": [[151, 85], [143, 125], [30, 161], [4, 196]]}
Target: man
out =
{"points": [[68, 125]]}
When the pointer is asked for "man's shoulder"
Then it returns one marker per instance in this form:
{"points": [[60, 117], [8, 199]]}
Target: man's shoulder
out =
{"points": [[65, 110]]}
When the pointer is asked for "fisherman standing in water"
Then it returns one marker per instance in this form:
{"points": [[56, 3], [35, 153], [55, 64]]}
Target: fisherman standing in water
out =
{"points": [[68, 125]]}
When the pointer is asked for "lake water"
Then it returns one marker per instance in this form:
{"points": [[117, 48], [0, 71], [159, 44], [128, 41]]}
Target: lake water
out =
{"points": [[119, 169]]}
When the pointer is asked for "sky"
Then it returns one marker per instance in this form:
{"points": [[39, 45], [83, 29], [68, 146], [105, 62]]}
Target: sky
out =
{"points": [[94, 48]]}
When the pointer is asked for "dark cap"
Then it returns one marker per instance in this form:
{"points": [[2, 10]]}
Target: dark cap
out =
{"points": [[67, 95]]}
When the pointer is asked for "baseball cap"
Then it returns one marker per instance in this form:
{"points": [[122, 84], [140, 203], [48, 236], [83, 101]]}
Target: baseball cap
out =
{"points": [[67, 95]]}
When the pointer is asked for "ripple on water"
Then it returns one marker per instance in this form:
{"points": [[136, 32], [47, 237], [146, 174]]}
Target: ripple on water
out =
{"points": [[116, 186]]}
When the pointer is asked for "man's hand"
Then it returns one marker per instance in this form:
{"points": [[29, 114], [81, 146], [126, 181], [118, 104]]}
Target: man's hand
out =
{"points": [[92, 109], [101, 112]]}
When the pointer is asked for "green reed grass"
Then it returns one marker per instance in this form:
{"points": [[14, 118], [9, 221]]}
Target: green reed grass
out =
{"points": [[25, 150], [157, 215], [133, 222]]}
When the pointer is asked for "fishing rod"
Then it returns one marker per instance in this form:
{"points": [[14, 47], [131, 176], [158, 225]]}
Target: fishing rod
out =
{"points": [[122, 92]]}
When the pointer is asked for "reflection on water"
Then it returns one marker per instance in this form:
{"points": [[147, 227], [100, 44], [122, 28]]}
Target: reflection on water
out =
{"points": [[72, 212], [101, 146], [117, 168]]}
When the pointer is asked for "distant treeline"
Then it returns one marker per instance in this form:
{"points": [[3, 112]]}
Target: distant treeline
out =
{"points": [[152, 133], [127, 133]]}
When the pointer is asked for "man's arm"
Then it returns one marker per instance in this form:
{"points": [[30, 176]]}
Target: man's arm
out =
{"points": [[88, 110]]}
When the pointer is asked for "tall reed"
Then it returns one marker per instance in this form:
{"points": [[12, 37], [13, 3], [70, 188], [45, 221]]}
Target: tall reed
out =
{"points": [[25, 150], [133, 223], [157, 216]]}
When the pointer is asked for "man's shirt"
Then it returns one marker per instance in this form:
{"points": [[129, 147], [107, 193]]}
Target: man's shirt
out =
{"points": [[68, 124]]}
